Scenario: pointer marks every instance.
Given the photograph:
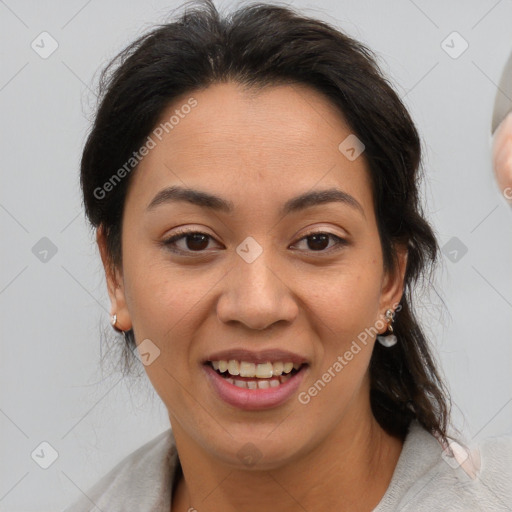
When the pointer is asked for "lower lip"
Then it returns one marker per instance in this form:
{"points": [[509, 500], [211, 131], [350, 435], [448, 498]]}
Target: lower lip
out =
{"points": [[254, 399]]}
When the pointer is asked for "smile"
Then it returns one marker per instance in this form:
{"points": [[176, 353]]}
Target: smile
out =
{"points": [[249, 385], [244, 374]]}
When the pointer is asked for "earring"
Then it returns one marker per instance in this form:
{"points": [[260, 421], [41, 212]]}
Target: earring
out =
{"points": [[390, 339], [113, 320]]}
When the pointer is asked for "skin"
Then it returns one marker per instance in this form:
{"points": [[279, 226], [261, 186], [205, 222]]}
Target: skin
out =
{"points": [[502, 157], [258, 150]]}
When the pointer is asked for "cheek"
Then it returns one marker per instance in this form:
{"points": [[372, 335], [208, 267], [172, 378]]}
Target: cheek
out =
{"points": [[160, 304], [164, 309], [348, 301], [345, 317], [158, 293]]}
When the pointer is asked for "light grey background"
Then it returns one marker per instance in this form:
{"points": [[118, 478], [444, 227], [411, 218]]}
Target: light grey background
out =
{"points": [[51, 385]]}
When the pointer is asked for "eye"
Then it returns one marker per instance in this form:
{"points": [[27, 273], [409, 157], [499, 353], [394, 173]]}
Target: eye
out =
{"points": [[319, 241], [194, 241]]}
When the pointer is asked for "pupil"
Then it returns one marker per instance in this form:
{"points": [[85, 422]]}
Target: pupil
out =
{"points": [[199, 242], [320, 238]]}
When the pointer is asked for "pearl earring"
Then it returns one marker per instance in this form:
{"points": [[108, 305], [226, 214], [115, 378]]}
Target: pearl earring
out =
{"points": [[113, 320], [390, 339]]}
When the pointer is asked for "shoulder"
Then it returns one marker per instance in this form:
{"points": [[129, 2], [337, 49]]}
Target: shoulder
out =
{"points": [[140, 482], [496, 467], [461, 477]]}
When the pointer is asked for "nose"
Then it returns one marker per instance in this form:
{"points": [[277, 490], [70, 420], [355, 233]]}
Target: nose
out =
{"points": [[256, 295]]}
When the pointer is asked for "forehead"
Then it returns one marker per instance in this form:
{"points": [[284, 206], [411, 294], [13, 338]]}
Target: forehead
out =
{"points": [[271, 143]]}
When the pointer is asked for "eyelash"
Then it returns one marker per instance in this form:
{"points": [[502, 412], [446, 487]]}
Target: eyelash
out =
{"points": [[169, 242]]}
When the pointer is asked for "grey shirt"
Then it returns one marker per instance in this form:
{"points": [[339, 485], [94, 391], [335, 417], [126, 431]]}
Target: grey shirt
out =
{"points": [[425, 479]]}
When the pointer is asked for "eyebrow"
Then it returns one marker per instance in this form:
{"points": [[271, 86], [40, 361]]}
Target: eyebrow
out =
{"points": [[212, 202]]}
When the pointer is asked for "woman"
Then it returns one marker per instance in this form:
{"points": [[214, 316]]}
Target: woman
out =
{"points": [[254, 185]]}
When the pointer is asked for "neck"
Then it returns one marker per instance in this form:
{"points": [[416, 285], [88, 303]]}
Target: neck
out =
{"points": [[352, 470]]}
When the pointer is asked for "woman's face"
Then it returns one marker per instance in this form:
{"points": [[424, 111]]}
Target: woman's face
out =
{"points": [[255, 286]]}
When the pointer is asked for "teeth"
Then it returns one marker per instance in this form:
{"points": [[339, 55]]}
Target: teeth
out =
{"points": [[264, 371], [247, 369], [288, 367], [234, 367], [277, 368], [260, 370], [259, 384]]}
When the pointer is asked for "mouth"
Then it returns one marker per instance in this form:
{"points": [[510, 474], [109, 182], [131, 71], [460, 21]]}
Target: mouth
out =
{"points": [[248, 375], [254, 385]]}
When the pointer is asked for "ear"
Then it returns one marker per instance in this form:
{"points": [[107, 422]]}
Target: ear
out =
{"points": [[393, 283], [115, 284], [502, 156]]}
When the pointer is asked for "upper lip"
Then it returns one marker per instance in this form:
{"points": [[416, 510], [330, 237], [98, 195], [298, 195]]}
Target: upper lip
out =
{"points": [[272, 355]]}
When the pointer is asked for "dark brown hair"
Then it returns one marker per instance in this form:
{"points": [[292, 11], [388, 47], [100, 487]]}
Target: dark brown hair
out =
{"points": [[261, 45]]}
